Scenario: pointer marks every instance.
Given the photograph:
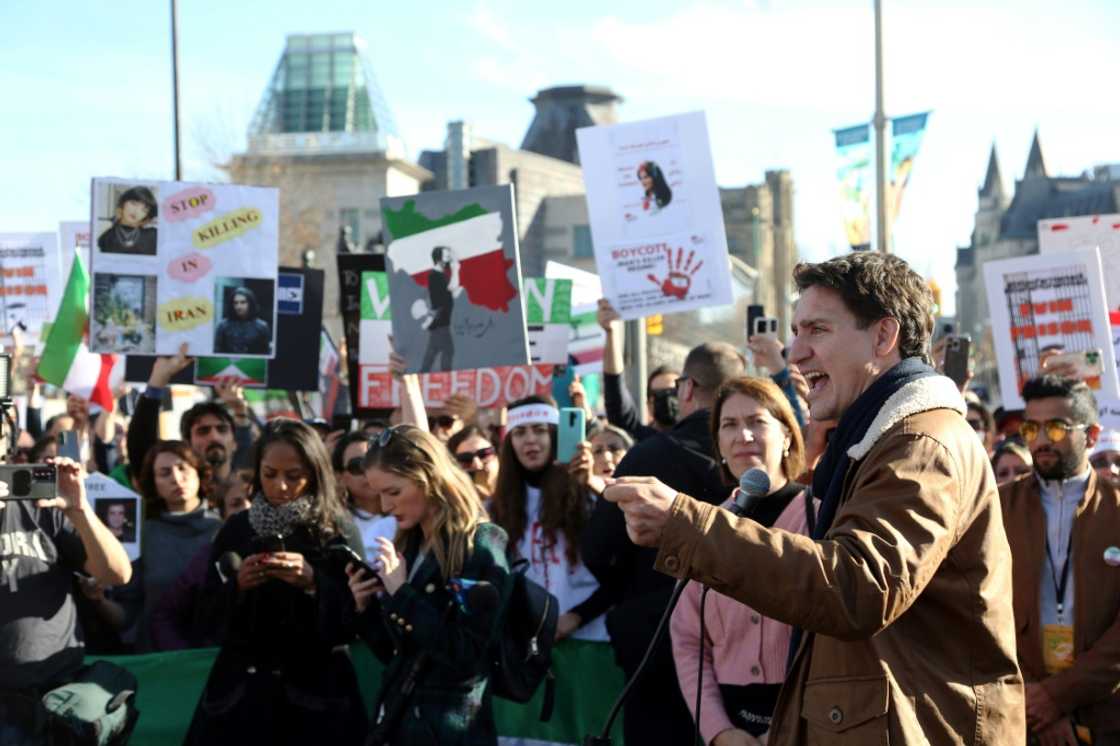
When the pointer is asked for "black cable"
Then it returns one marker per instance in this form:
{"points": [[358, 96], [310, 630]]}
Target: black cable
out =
{"points": [[700, 670]]}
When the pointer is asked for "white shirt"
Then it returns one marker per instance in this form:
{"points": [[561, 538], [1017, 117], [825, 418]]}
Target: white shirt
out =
{"points": [[1060, 498], [549, 567]]}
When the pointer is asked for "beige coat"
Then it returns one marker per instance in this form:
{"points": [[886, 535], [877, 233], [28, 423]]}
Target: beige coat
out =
{"points": [[906, 603], [1091, 687]]}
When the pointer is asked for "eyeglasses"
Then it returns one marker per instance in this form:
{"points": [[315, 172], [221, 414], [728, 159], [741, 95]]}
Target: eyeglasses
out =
{"points": [[443, 421], [354, 466], [1105, 461], [977, 425], [482, 454], [1056, 430], [677, 384]]}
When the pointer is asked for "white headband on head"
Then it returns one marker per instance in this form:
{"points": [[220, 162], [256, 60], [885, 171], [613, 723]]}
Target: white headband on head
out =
{"points": [[532, 414]]}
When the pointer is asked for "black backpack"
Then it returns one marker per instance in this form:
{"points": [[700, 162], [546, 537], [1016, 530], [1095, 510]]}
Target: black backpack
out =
{"points": [[523, 654]]}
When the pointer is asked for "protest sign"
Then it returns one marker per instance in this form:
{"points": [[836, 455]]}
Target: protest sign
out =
{"points": [[73, 237], [1102, 232], [118, 508], [30, 283], [548, 314], [489, 387], [586, 338], [455, 279], [329, 382], [299, 318], [351, 267], [656, 219], [1048, 302], [175, 262]]}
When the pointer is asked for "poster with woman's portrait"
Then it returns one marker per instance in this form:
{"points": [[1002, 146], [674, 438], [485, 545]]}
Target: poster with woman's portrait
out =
{"points": [[161, 255], [655, 213], [118, 508]]}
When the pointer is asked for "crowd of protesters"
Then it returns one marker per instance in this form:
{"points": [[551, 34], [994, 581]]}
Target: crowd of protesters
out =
{"points": [[255, 534]]}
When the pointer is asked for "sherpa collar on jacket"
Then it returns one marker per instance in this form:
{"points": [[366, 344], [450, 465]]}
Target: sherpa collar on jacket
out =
{"points": [[932, 392]]}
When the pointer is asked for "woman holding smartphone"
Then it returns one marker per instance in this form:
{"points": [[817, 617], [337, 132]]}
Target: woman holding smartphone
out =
{"points": [[434, 609], [543, 506], [283, 675]]}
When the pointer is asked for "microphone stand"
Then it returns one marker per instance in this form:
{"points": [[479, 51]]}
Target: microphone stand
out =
{"points": [[604, 739]]}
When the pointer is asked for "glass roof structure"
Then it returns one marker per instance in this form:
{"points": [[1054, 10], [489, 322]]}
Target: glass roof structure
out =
{"points": [[323, 96]]}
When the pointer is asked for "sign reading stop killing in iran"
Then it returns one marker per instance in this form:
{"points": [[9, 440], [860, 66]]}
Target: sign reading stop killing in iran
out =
{"points": [[655, 213], [175, 262]]}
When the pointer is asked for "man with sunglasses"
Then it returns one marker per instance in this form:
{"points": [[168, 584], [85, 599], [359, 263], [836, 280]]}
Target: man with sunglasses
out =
{"points": [[1063, 525]]}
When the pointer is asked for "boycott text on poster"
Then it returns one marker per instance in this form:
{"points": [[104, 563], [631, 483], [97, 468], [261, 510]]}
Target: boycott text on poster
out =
{"points": [[655, 213], [490, 387], [176, 262], [1048, 302]]}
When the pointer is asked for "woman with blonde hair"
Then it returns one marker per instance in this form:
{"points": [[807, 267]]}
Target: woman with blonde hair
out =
{"points": [[736, 678], [434, 610]]}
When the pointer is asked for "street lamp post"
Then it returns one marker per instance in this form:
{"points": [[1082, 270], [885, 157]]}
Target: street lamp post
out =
{"points": [[175, 86], [882, 237]]}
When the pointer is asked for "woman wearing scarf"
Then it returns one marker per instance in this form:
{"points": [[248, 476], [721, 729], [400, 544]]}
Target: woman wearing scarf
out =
{"points": [[433, 612], [543, 508], [283, 675]]}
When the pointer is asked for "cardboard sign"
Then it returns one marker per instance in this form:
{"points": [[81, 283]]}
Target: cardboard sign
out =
{"points": [[490, 387], [455, 279], [351, 267], [176, 262], [655, 212], [118, 508], [30, 283]]}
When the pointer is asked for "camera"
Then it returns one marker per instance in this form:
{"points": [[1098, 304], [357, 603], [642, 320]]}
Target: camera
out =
{"points": [[29, 481]]}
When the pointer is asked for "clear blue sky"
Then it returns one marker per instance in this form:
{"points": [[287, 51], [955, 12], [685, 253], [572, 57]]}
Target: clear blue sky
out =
{"points": [[87, 88]]}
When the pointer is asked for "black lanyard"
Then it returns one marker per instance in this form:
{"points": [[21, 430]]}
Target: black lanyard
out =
{"points": [[1061, 585]]}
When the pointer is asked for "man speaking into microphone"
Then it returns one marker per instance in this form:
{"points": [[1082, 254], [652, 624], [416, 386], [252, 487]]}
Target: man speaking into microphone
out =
{"points": [[902, 595]]}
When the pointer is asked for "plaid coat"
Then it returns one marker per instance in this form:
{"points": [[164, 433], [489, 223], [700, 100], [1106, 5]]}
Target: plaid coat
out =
{"points": [[450, 704]]}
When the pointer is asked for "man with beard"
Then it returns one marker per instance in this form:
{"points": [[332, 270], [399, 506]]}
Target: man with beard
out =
{"points": [[1061, 524], [211, 430]]}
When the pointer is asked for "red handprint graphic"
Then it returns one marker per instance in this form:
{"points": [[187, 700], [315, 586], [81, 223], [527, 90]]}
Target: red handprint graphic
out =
{"points": [[679, 280]]}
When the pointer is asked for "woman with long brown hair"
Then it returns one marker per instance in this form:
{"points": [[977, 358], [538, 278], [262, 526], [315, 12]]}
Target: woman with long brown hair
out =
{"points": [[283, 675], [544, 508], [434, 609]]}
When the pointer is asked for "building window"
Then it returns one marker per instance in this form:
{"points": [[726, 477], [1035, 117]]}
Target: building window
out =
{"points": [[582, 248], [351, 216]]}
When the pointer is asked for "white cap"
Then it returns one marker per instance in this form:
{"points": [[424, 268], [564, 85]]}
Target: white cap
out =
{"points": [[1109, 440]]}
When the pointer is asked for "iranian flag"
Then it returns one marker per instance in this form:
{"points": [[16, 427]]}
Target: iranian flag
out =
{"points": [[245, 371], [66, 360], [474, 237]]}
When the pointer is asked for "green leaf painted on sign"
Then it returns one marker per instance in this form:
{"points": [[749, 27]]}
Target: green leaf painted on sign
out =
{"points": [[375, 296], [547, 301]]}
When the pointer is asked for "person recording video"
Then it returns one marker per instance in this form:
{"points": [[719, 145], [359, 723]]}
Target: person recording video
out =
{"points": [[283, 674], [433, 610], [42, 545]]}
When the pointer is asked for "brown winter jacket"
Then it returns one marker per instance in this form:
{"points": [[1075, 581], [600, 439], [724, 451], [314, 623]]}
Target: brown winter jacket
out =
{"points": [[906, 602], [1089, 689]]}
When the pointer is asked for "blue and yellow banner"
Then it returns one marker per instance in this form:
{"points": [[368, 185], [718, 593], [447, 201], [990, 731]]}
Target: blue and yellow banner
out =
{"points": [[853, 146], [906, 138]]}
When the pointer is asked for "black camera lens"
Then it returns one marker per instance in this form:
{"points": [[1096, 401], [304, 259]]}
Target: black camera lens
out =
{"points": [[21, 483]]}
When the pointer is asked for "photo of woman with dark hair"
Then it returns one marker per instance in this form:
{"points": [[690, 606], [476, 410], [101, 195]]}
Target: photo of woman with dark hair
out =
{"points": [[242, 331], [657, 191], [132, 231]]}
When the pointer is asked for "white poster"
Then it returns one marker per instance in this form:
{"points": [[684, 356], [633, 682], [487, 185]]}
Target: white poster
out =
{"points": [[176, 262], [118, 507], [1087, 232], [1048, 302], [586, 339], [655, 213], [28, 273], [73, 235]]}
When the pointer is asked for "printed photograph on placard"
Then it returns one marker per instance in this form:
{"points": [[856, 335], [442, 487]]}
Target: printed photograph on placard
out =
{"points": [[126, 217], [124, 313], [649, 184], [119, 515], [245, 306]]}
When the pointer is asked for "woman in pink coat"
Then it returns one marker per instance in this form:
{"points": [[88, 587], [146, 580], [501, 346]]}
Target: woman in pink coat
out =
{"points": [[744, 654]]}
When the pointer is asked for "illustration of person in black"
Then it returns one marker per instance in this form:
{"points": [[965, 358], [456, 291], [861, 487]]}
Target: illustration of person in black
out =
{"points": [[657, 191], [131, 231], [242, 331], [443, 287]]}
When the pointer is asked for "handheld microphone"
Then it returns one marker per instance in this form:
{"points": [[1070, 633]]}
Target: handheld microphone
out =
{"points": [[754, 484], [228, 565]]}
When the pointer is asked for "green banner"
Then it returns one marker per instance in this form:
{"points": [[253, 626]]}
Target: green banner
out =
{"points": [[853, 146], [375, 297], [587, 682], [547, 301], [247, 371]]}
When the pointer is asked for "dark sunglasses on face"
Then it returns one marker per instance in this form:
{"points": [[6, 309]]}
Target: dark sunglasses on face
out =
{"points": [[467, 457], [1056, 430], [443, 421], [354, 466], [1106, 461], [977, 425]]}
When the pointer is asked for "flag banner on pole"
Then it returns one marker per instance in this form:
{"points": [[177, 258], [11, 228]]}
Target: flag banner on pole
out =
{"points": [[906, 138], [853, 146]]}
